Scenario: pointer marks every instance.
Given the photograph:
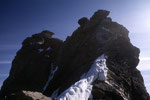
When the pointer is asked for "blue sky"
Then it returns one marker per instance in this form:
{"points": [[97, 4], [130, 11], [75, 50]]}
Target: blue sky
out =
{"points": [[22, 18]]}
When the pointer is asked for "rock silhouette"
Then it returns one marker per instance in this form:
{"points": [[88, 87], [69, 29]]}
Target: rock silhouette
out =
{"points": [[46, 64]]}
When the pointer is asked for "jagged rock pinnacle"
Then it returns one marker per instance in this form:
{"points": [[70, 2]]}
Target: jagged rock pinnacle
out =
{"points": [[49, 65]]}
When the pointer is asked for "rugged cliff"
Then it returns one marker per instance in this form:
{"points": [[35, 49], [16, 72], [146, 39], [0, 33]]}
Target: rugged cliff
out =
{"points": [[98, 61]]}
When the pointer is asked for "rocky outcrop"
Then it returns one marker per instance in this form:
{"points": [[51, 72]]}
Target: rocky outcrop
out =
{"points": [[51, 66], [27, 95], [32, 65]]}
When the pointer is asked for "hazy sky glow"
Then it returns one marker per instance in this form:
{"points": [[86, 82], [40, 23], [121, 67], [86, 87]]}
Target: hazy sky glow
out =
{"points": [[22, 18]]}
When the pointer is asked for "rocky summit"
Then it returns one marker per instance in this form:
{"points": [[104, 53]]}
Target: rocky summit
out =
{"points": [[97, 62]]}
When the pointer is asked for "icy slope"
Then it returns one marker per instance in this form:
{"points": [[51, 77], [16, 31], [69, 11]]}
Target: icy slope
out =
{"points": [[81, 90]]}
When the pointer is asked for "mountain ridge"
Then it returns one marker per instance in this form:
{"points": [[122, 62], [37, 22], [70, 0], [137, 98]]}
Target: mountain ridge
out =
{"points": [[46, 64]]}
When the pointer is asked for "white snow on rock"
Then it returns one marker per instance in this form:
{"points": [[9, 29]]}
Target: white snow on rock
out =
{"points": [[105, 29], [49, 48], [40, 50], [51, 76], [81, 90]]}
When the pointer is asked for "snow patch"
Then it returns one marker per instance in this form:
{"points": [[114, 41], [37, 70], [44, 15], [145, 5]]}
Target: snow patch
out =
{"points": [[118, 89], [49, 48], [50, 76], [81, 90], [40, 50], [105, 29], [40, 42]]}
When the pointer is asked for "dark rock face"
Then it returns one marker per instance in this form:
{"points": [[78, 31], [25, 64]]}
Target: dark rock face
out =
{"points": [[95, 36], [32, 65]]}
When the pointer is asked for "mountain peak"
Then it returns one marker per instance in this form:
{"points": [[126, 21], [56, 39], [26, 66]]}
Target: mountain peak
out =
{"points": [[96, 62]]}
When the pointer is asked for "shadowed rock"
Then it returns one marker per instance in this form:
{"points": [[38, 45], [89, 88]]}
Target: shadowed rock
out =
{"points": [[33, 66]]}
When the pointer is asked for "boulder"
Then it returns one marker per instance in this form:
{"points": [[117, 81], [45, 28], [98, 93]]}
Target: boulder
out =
{"points": [[27, 95]]}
